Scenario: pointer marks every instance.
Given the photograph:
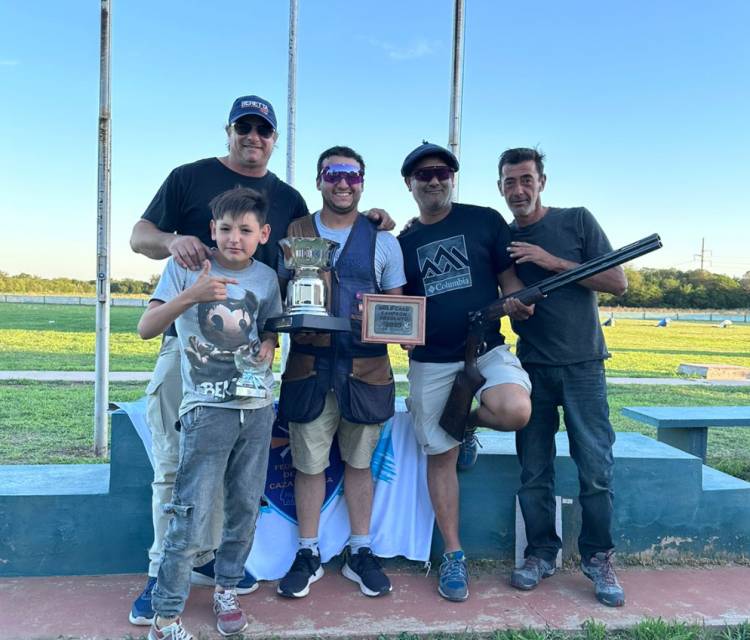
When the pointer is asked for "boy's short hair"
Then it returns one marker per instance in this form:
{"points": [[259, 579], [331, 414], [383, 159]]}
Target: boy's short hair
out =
{"points": [[239, 201], [519, 155]]}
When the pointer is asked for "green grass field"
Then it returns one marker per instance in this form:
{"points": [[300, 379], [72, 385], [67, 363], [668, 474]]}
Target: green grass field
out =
{"points": [[53, 422], [61, 338]]}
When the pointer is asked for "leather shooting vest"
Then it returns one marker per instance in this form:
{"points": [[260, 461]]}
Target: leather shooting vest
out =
{"points": [[358, 373]]}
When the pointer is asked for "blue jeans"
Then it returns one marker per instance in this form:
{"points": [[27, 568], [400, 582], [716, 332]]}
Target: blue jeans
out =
{"points": [[218, 448], [581, 390]]}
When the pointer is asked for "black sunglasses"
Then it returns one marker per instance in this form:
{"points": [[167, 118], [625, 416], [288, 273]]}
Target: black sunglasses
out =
{"points": [[244, 128], [440, 172]]}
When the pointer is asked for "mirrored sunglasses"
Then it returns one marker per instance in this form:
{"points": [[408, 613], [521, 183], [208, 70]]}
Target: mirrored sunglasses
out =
{"points": [[334, 173], [441, 172], [264, 130]]}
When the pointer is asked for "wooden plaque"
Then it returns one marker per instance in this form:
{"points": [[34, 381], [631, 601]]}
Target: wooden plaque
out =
{"points": [[397, 319]]}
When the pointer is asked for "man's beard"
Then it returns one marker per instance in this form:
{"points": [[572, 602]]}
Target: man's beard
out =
{"points": [[432, 204], [341, 211]]}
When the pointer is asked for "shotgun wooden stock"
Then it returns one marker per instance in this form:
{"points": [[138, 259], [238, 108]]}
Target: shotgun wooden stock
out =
{"points": [[469, 379]]}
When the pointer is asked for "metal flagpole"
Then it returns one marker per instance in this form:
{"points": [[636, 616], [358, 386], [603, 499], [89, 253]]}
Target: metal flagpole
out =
{"points": [[291, 126], [101, 388], [457, 80]]}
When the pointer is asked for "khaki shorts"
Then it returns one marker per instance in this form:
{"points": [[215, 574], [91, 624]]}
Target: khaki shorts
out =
{"points": [[430, 385], [311, 441]]}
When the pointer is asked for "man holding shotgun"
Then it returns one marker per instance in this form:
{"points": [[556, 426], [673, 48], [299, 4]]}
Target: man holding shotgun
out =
{"points": [[456, 255], [562, 348]]}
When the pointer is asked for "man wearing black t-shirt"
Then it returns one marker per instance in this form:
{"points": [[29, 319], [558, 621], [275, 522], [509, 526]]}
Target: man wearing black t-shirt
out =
{"points": [[176, 223], [562, 348], [455, 255]]}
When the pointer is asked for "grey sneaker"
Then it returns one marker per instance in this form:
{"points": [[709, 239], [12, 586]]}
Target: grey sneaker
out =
{"points": [[230, 618], [600, 571], [172, 631], [531, 573]]}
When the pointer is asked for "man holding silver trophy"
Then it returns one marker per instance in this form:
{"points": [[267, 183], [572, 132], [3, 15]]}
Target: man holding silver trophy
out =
{"points": [[334, 384]]}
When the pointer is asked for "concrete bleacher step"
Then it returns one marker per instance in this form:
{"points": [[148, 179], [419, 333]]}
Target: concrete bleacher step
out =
{"points": [[54, 479], [96, 519], [78, 519], [715, 480], [667, 503]]}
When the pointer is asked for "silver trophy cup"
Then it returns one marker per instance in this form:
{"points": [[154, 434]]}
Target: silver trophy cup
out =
{"points": [[307, 292]]}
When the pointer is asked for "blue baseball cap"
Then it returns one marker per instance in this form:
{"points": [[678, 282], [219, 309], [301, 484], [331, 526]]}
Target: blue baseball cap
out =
{"points": [[252, 106], [423, 151]]}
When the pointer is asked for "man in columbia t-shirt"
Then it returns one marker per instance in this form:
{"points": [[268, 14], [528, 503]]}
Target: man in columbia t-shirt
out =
{"points": [[456, 255]]}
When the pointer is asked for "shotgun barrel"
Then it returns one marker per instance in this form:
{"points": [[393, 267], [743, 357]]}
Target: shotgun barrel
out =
{"points": [[493, 312]]}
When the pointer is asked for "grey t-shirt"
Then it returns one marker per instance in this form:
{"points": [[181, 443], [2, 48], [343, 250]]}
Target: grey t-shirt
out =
{"points": [[389, 261], [565, 327], [212, 333]]}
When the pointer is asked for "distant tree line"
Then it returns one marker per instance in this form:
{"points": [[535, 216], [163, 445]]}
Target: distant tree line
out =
{"points": [[658, 288], [670, 288], [26, 284]]}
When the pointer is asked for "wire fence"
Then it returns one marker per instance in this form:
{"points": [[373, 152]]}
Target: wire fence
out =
{"points": [[687, 315], [77, 300]]}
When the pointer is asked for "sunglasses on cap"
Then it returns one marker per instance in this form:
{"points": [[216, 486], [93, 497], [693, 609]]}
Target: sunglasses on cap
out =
{"points": [[334, 173], [263, 129], [426, 174]]}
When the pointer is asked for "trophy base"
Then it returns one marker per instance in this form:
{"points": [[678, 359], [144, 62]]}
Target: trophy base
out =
{"points": [[250, 392], [307, 322]]}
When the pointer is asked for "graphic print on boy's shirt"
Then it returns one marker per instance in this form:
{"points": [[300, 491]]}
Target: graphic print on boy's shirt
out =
{"points": [[229, 331]]}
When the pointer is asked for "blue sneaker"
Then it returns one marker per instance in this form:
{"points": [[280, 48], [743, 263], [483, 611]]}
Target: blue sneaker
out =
{"points": [[204, 576], [141, 612], [453, 582], [468, 450]]}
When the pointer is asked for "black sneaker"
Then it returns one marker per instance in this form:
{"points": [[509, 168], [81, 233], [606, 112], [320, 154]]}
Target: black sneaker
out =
{"points": [[204, 576], [600, 571], [531, 573], [304, 571], [364, 569]]}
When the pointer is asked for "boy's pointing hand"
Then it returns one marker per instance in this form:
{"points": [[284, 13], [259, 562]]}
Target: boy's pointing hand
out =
{"points": [[208, 288]]}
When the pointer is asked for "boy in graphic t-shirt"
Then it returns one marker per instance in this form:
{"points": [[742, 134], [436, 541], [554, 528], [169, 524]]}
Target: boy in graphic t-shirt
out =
{"points": [[226, 413]]}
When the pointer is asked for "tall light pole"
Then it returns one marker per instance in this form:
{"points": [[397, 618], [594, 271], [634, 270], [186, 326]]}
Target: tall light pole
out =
{"points": [[103, 210], [457, 81], [291, 125]]}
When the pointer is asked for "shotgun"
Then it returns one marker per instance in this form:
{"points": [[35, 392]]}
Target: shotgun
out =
{"points": [[469, 379]]}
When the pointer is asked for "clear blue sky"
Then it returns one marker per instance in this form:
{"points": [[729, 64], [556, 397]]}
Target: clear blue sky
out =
{"points": [[640, 106]]}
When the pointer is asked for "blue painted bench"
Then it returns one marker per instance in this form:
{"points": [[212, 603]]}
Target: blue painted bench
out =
{"points": [[687, 427]]}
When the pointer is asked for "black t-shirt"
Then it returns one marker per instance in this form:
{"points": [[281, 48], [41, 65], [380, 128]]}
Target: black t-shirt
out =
{"points": [[565, 327], [181, 204], [455, 263]]}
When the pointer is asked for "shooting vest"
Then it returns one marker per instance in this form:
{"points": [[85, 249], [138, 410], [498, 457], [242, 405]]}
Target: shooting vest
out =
{"points": [[358, 373]]}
